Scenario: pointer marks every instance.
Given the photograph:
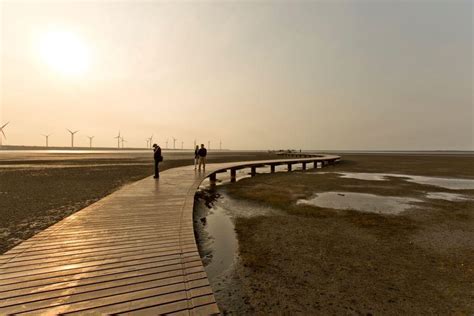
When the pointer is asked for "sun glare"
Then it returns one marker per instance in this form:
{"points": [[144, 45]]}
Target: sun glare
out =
{"points": [[64, 52]]}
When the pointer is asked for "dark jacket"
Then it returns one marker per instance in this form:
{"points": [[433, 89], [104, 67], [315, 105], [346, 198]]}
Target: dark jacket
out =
{"points": [[202, 152], [157, 153]]}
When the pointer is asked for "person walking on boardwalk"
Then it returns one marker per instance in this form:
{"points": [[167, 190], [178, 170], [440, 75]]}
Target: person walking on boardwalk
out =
{"points": [[202, 153], [158, 158], [196, 157]]}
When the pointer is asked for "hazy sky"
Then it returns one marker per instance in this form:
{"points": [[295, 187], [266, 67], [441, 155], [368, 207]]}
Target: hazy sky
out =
{"points": [[258, 75]]}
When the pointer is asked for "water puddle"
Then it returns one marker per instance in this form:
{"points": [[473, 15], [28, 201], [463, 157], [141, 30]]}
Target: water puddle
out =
{"points": [[363, 202], [224, 243], [446, 196], [447, 183], [218, 243], [364, 176]]}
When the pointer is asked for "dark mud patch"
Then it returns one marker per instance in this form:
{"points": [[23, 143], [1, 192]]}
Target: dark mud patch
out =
{"points": [[321, 261]]}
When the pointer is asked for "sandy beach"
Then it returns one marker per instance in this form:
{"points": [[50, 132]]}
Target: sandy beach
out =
{"points": [[297, 257]]}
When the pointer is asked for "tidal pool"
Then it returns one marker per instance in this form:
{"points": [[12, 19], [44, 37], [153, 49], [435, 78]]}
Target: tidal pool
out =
{"points": [[222, 243], [364, 176], [447, 183], [446, 196], [363, 202]]}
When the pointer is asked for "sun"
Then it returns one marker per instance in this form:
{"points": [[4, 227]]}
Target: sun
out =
{"points": [[65, 52]]}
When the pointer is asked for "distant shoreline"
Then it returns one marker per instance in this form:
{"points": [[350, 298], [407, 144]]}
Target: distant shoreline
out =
{"points": [[114, 149], [348, 151]]}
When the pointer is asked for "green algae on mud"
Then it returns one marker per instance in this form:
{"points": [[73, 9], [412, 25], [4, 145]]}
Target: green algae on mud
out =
{"points": [[315, 260]]}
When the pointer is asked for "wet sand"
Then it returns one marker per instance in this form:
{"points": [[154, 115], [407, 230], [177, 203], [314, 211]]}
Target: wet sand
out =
{"points": [[38, 189], [326, 261]]}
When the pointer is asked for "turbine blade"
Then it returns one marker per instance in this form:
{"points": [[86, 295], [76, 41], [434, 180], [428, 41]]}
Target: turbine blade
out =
{"points": [[5, 136], [4, 125]]}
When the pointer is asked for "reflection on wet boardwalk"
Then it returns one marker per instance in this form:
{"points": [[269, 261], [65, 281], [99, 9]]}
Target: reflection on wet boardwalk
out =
{"points": [[132, 252]]}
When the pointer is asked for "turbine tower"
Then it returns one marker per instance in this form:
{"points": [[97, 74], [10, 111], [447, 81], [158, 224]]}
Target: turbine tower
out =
{"points": [[72, 137], [151, 141], [148, 143], [90, 140], [118, 140], [174, 142], [194, 144], [182, 145], [3, 132], [220, 145], [47, 139], [123, 141], [166, 143], [208, 145]]}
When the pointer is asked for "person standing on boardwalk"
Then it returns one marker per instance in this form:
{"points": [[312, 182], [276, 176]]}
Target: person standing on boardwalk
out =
{"points": [[202, 153], [196, 157], [158, 158]]}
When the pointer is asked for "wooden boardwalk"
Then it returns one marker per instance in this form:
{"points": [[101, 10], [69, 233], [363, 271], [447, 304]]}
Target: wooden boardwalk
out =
{"points": [[132, 252]]}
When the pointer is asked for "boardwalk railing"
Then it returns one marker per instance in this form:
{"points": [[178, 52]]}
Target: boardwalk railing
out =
{"points": [[306, 160], [134, 252]]}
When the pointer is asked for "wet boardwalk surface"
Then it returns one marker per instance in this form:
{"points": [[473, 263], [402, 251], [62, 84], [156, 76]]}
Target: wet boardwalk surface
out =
{"points": [[132, 252]]}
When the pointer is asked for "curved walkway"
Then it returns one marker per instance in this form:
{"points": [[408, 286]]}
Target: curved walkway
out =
{"points": [[133, 251]]}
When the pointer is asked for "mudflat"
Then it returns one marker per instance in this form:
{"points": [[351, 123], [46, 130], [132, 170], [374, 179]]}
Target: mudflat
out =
{"points": [[39, 189], [312, 259]]}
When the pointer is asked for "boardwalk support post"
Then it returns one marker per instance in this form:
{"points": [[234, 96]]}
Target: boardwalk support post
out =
{"points": [[253, 171], [289, 166], [304, 165], [272, 168], [213, 179], [232, 175]]}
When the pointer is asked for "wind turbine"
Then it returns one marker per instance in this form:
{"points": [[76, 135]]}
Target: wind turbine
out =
{"points": [[166, 143], [118, 140], [174, 142], [220, 144], [90, 140], [182, 145], [151, 141], [194, 144], [47, 139], [208, 145], [148, 143], [3, 132], [123, 141], [72, 137]]}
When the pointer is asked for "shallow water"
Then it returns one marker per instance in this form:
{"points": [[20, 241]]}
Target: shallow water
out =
{"points": [[224, 243], [364, 202], [447, 183], [364, 176], [446, 196], [219, 224]]}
